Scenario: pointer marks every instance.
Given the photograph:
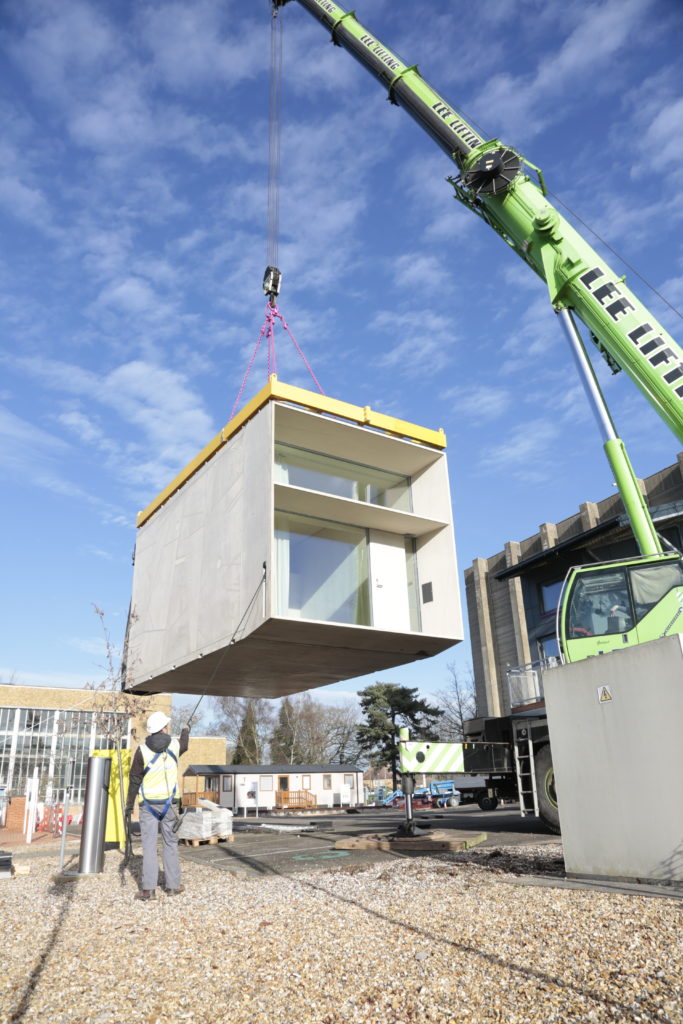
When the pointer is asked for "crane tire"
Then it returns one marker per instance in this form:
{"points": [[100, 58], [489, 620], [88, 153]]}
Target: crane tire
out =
{"points": [[487, 803], [545, 789]]}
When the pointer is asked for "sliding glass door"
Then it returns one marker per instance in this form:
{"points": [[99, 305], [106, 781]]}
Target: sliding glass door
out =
{"points": [[322, 570]]}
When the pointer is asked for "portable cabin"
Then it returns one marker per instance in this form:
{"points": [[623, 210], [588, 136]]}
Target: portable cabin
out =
{"points": [[272, 787], [310, 541]]}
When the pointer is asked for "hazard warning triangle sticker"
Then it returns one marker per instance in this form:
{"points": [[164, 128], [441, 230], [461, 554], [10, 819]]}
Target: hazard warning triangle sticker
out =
{"points": [[604, 694]]}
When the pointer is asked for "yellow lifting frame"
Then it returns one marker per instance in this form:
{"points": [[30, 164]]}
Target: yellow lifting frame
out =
{"points": [[276, 391]]}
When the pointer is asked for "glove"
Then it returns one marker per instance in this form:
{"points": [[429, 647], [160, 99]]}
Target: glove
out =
{"points": [[186, 725]]}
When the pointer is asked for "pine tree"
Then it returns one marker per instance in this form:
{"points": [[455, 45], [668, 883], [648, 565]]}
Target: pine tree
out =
{"points": [[388, 707]]}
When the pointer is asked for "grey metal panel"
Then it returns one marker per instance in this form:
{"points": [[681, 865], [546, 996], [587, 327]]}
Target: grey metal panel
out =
{"points": [[286, 656], [619, 762]]}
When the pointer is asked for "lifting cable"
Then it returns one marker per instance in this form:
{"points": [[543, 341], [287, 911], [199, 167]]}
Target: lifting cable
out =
{"points": [[231, 641], [273, 277]]}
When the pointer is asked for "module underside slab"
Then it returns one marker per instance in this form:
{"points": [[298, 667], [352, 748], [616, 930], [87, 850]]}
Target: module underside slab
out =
{"points": [[283, 657]]}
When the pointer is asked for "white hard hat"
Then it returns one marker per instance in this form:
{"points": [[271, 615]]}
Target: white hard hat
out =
{"points": [[156, 721]]}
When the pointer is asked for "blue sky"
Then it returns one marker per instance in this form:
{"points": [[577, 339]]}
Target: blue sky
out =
{"points": [[133, 214]]}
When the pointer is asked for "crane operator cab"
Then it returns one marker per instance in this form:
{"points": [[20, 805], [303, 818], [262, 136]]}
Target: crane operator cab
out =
{"points": [[612, 605]]}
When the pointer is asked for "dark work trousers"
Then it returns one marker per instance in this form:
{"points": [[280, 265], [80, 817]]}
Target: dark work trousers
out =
{"points": [[150, 826]]}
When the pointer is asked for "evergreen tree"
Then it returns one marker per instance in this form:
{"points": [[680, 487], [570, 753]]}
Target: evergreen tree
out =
{"points": [[249, 747], [387, 708]]}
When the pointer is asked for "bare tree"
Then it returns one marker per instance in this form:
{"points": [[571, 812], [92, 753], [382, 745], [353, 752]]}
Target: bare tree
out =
{"points": [[457, 702], [310, 732], [230, 714], [115, 707], [180, 716]]}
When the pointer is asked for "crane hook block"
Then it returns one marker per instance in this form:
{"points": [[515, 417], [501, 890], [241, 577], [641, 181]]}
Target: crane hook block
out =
{"points": [[271, 283]]}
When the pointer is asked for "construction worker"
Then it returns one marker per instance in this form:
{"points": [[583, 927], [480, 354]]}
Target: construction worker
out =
{"points": [[154, 773]]}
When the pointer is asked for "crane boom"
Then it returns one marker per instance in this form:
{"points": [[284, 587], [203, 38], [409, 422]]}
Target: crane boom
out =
{"points": [[494, 181]]}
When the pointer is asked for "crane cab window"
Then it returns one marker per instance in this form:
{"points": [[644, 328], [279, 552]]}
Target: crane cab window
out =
{"points": [[600, 604], [649, 584]]}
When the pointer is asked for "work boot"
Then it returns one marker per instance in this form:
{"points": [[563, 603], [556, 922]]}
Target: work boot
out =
{"points": [[146, 894], [175, 892]]}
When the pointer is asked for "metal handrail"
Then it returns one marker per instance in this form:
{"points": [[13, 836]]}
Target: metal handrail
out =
{"points": [[525, 682]]}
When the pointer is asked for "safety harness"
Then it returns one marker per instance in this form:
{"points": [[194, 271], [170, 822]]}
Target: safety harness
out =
{"points": [[158, 779]]}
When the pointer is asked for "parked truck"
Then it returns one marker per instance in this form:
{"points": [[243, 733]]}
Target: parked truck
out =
{"points": [[603, 607]]}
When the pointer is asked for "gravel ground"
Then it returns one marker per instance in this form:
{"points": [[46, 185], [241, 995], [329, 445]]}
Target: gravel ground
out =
{"points": [[418, 940]]}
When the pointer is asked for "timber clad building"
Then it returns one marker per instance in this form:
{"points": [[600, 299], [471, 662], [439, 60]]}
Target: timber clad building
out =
{"points": [[512, 596]]}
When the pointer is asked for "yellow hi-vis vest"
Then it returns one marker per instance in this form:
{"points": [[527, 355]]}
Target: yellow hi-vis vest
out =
{"points": [[160, 777]]}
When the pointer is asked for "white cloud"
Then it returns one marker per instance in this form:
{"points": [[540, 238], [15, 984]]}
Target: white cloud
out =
{"points": [[198, 44], [478, 403], [421, 272], [425, 340], [524, 103], [528, 451], [25, 203]]}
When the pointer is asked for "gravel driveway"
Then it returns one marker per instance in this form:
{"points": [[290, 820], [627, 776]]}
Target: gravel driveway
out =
{"points": [[448, 938]]}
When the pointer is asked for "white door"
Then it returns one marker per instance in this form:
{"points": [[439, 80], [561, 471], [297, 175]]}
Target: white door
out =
{"points": [[389, 582]]}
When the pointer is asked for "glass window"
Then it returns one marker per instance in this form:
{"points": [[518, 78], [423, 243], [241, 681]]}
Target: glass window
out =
{"points": [[348, 781], [317, 472], [548, 647], [600, 604], [265, 783], [305, 781], [227, 783], [327, 782], [649, 584], [322, 570], [211, 783], [411, 574], [550, 595]]}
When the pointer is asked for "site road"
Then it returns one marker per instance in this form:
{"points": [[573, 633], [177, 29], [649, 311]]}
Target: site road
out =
{"points": [[260, 852]]}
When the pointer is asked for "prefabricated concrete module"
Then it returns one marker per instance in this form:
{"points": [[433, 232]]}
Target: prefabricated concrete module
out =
{"points": [[310, 541]]}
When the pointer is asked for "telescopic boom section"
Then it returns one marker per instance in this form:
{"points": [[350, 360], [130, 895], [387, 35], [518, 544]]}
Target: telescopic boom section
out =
{"points": [[404, 84], [494, 183]]}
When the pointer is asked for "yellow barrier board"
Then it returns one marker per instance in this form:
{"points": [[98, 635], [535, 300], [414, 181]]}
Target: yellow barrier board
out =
{"points": [[115, 831]]}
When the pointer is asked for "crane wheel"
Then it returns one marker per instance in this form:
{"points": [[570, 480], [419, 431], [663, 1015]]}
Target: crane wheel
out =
{"points": [[545, 789]]}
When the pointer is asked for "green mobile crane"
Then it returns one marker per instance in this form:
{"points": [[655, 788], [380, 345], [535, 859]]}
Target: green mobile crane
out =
{"points": [[604, 606]]}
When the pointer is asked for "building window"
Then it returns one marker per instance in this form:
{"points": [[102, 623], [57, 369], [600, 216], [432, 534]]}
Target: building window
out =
{"points": [[322, 570], [227, 783], [211, 784], [550, 596], [327, 782], [316, 472], [305, 781], [266, 783], [548, 647], [413, 584], [348, 781], [49, 740]]}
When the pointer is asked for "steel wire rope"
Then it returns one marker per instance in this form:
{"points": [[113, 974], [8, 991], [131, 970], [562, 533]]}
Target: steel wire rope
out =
{"points": [[230, 641], [273, 209], [274, 120]]}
